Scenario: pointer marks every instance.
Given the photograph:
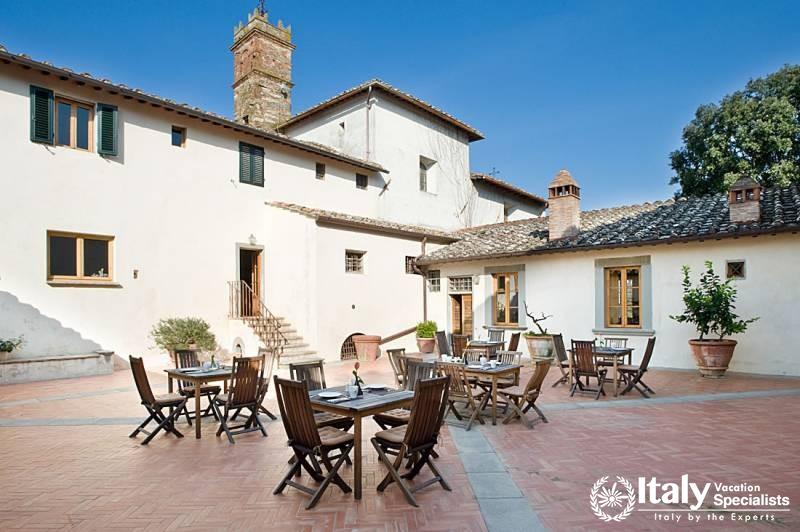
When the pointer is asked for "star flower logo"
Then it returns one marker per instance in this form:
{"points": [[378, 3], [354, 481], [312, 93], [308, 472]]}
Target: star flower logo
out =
{"points": [[608, 499]]}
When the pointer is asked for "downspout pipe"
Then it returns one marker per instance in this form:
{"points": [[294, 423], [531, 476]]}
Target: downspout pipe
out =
{"points": [[423, 273], [369, 104]]}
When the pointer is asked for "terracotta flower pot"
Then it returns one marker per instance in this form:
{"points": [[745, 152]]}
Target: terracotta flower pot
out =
{"points": [[540, 347], [712, 356], [426, 345], [367, 346]]}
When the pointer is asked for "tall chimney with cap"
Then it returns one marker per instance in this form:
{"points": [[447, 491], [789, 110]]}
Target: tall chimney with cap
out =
{"points": [[744, 201], [563, 206]]}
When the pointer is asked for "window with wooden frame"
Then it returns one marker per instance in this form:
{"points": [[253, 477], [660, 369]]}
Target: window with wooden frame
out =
{"points": [[74, 256], [251, 164], [74, 124], [179, 136], [505, 300], [361, 181], [423, 175], [434, 280], [320, 171], [354, 261], [623, 297]]}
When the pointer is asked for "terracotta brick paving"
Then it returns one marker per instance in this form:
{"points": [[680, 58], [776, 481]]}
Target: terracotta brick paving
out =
{"points": [[92, 477]]}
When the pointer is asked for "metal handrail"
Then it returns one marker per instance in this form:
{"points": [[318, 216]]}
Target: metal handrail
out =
{"points": [[246, 305]]}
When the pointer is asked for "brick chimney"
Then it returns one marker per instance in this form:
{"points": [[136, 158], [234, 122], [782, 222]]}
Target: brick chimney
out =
{"points": [[563, 206], [744, 201], [262, 71]]}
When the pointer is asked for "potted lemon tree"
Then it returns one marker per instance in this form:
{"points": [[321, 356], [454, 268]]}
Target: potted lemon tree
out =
{"points": [[709, 306]]}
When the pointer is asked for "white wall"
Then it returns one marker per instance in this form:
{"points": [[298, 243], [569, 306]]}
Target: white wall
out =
{"points": [[177, 215], [491, 203], [399, 134], [383, 300], [563, 284]]}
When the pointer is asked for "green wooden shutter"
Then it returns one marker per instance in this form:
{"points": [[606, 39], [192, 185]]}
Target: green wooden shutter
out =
{"points": [[42, 111], [245, 175], [258, 166], [251, 164], [106, 129]]}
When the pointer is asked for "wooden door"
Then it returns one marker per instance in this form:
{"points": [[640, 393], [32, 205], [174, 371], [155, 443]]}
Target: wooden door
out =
{"points": [[455, 306], [466, 313], [250, 274]]}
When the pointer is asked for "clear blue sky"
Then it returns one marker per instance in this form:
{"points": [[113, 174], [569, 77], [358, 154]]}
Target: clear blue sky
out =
{"points": [[601, 88]]}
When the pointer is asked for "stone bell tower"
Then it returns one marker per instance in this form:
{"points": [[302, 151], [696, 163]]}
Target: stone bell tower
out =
{"points": [[262, 71]]}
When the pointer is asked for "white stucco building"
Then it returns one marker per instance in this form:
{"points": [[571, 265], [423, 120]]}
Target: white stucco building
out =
{"points": [[617, 272], [122, 207]]}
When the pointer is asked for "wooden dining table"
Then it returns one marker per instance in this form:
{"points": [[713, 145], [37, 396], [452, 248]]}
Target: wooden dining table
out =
{"points": [[198, 379], [371, 403], [485, 372]]}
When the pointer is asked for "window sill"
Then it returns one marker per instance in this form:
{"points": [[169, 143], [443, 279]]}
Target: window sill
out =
{"points": [[623, 331], [506, 327], [83, 283]]}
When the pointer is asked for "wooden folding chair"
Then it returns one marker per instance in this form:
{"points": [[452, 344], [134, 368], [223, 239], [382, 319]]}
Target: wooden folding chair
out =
{"points": [[460, 342], [442, 344], [398, 363], [497, 335], [313, 374], [632, 375], [415, 371], [561, 359], [243, 392], [187, 358], [415, 441], [269, 364], [513, 344], [461, 392], [523, 398], [309, 442], [503, 357], [154, 404], [585, 365]]}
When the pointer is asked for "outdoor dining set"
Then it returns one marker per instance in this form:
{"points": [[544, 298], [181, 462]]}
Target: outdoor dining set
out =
{"points": [[462, 380]]}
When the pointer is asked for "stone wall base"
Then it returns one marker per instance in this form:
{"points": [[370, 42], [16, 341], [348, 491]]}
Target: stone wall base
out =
{"points": [[14, 371]]}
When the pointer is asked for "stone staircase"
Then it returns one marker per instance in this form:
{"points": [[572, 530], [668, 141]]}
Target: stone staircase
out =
{"points": [[296, 349]]}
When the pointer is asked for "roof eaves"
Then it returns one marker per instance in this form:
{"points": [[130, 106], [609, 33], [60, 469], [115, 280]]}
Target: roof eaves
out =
{"points": [[499, 183], [182, 108], [472, 133], [616, 245]]}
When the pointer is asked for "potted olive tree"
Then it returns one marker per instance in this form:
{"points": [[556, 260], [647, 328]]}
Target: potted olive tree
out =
{"points": [[426, 336], [540, 342], [710, 308], [7, 345], [183, 333]]}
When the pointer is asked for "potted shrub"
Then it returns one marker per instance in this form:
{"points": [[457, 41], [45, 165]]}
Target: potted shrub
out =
{"points": [[183, 333], [7, 345], [367, 346], [540, 342], [710, 308], [426, 336]]}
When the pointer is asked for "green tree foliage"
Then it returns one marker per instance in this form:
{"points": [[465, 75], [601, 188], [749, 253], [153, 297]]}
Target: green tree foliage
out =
{"points": [[180, 333], [754, 132]]}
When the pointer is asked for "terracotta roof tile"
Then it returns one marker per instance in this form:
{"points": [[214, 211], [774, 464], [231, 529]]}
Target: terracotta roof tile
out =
{"points": [[374, 224], [649, 223]]}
